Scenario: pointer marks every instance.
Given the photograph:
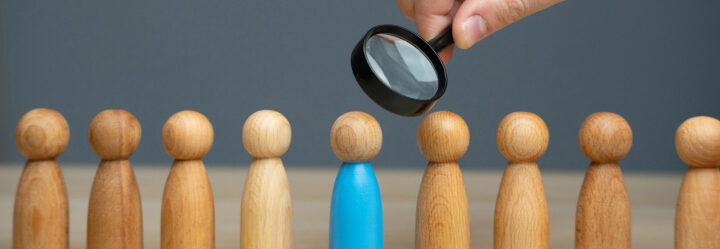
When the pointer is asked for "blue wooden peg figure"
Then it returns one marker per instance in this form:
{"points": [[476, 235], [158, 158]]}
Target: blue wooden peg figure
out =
{"points": [[356, 211]]}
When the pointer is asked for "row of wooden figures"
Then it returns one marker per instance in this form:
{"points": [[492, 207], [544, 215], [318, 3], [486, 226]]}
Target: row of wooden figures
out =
{"points": [[521, 215]]}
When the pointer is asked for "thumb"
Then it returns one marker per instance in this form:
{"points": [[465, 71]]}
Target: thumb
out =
{"points": [[476, 19]]}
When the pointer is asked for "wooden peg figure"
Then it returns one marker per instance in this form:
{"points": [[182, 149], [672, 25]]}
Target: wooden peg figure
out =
{"points": [[356, 220], [188, 213], [114, 213], [521, 212], [40, 218], [266, 212], [603, 209], [697, 217], [442, 219]]}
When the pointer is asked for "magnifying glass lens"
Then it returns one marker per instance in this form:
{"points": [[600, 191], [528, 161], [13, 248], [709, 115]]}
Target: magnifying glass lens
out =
{"points": [[399, 70], [401, 66]]}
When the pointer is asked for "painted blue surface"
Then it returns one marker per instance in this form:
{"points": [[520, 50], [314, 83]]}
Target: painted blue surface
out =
{"points": [[356, 209]]}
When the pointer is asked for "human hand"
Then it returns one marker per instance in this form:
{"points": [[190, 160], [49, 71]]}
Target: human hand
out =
{"points": [[471, 20]]}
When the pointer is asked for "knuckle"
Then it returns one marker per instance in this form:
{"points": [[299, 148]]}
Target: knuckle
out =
{"points": [[512, 11]]}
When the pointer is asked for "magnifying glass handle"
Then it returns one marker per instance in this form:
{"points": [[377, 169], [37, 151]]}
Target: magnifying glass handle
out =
{"points": [[442, 41]]}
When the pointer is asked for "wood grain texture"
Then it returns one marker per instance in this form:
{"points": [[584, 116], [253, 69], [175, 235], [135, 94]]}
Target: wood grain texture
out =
{"points": [[42, 134], [40, 216], [697, 218], [114, 134], [356, 137], [266, 210], [603, 210], [40, 219], [442, 218], [266, 134], [605, 137], [522, 137], [697, 142], [114, 213], [603, 218], [188, 212], [443, 137], [521, 212], [187, 135]]}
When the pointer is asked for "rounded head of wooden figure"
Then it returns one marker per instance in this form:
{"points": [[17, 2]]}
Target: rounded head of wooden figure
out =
{"points": [[443, 137], [522, 137], [266, 133], [697, 141], [114, 134], [356, 137], [605, 137], [42, 134], [187, 135]]}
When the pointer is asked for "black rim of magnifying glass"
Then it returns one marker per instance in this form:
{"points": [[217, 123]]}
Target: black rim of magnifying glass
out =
{"points": [[383, 95]]}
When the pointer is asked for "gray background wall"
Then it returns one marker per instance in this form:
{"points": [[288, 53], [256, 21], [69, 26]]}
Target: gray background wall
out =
{"points": [[656, 62]]}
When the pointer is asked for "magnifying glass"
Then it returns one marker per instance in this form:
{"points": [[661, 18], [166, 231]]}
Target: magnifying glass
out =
{"points": [[399, 71]]}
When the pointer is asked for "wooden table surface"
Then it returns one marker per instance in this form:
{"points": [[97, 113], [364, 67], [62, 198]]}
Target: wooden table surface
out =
{"points": [[652, 197]]}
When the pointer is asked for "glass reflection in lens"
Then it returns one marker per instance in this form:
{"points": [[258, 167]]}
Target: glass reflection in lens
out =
{"points": [[401, 66]]}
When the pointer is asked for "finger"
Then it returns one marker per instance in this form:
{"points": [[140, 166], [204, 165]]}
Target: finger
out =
{"points": [[476, 19], [407, 8], [434, 16]]}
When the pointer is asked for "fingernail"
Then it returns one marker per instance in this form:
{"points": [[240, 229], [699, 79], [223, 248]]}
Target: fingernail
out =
{"points": [[474, 29]]}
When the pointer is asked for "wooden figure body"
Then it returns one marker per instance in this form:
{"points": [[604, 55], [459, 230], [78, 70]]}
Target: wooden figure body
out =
{"points": [[266, 211], [697, 217], [442, 217], [356, 219], [40, 218], [114, 212], [603, 209], [521, 212], [188, 213]]}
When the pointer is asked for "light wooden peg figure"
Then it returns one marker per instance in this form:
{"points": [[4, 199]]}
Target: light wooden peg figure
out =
{"points": [[188, 213], [603, 209], [521, 212], [40, 218], [442, 219], [266, 211], [114, 212], [697, 218]]}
